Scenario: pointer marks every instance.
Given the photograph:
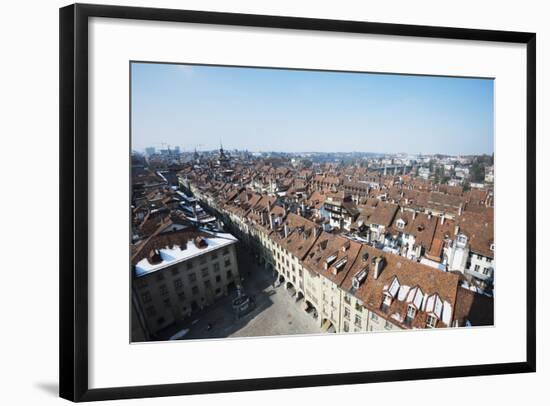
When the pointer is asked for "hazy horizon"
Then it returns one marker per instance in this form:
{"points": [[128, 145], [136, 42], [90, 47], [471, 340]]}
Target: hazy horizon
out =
{"points": [[267, 110]]}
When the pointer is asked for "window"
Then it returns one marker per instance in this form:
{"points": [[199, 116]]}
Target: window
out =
{"points": [[195, 290], [374, 316], [204, 272], [189, 264], [492, 246], [218, 278], [347, 298], [411, 312], [225, 251], [346, 313], [486, 271], [346, 326], [431, 321], [386, 303], [163, 290], [388, 325], [214, 255], [357, 320], [192, 277], [202, 260], [227, 263], [146, 297], [476, 268], [229, 275], [178, 284], [207, 284], [216, 267]]}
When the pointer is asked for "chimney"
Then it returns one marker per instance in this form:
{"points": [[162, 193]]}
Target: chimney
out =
{"points": [[442, 219], [286, 230], [377, 264], [401, 209], [271, 215], [460, 209], [414, 214], [457, 229]]}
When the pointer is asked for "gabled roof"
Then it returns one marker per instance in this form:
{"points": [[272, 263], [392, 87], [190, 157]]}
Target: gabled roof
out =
{"points": [[409, 275], [328, 253]]}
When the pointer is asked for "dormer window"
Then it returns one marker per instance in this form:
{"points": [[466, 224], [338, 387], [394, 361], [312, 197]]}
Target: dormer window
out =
{"points": [[462, 239], [411, 312], [386, 303], [330, 260], [492, 246], [359, 278], [400, 224], [339, 265], [431, 321]]}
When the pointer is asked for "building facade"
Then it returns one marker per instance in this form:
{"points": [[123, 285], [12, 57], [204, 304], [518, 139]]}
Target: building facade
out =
{"points": [[178, 273]]}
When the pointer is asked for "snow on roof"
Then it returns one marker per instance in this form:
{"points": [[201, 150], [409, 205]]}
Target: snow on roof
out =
{"points": [[419, 297], [394, 287], [403, 291], [447, 313], [434, 305], [429, 304], [397, 316], [438, 307], [415, 297], [173, 255], [159, 173], [433, 264]]}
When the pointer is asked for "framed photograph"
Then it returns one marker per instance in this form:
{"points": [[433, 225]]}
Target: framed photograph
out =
{"points": [[256, 202]]}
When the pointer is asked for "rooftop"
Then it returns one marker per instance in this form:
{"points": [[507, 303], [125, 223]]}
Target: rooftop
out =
{"points": [[163, 250]]}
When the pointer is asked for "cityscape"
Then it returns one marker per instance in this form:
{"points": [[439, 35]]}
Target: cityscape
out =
{"points": [[241, 241]]}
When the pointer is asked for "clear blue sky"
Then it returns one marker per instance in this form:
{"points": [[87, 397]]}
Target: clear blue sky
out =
{"points": [[296, 111]]}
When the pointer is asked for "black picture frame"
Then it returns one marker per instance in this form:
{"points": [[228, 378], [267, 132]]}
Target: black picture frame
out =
{"points": [[73, 180]]}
